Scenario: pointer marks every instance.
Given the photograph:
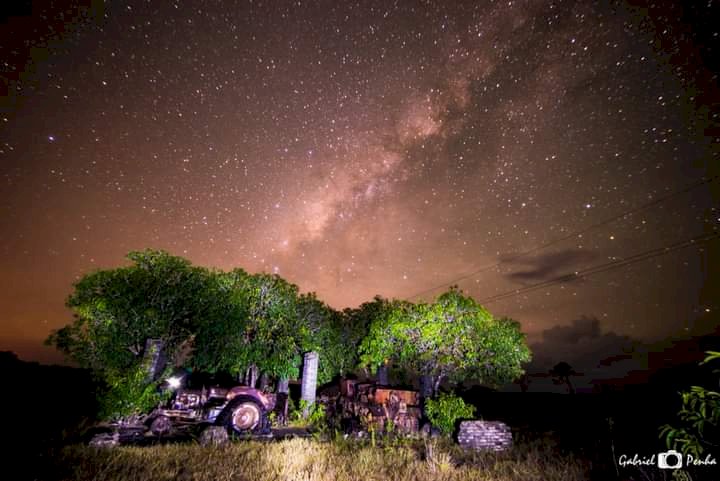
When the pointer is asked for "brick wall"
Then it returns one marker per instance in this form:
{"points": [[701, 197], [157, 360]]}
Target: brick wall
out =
{"points": [[485, 435]]}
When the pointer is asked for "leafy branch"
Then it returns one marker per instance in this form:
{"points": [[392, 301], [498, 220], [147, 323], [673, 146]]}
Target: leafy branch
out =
{"points": [[700, 418]]}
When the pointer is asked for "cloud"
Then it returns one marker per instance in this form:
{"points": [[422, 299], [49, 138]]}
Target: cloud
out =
{"points": [[594, 354], [548, 266], [580, 330]]}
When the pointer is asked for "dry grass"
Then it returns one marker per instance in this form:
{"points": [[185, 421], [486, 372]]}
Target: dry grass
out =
{"points": [[312, 460]]}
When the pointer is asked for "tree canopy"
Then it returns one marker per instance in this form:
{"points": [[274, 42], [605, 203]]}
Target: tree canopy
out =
{"points": [[266, 323], [452, 339], [230, 321], [355, 324], [254, 326], [159, 296], [561, 373]]}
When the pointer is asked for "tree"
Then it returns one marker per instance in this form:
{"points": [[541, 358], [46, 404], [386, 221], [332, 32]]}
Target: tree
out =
{"points": [[258, 327], [452, 339], [355, 325], [561, 373], [159, 296], [322, 331], [272, 328], [265, 323], [524, 382], [221, 342]]}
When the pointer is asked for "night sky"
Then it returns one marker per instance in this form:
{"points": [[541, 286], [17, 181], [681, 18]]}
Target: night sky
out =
{"points": [[362, 148]]}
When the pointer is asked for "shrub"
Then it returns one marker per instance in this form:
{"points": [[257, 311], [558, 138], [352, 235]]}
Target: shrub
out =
{"points": [[700, 418], [445, 410], [315, 419], [130, 394]]}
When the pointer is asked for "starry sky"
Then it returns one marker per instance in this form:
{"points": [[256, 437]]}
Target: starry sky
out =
{"points": [[373, 147]]}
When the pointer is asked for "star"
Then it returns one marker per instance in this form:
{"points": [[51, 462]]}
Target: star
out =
{"points": [[363, 151]]}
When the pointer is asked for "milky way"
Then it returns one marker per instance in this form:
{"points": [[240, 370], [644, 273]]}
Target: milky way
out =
{"points": [[358, 149]]}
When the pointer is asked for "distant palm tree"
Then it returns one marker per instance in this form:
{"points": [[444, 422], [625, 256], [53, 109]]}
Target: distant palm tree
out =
{"points": [[561, 373]]}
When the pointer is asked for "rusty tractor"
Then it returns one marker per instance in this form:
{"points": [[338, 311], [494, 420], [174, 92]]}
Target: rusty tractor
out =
{"points": [[371, 407], [241, 409]]}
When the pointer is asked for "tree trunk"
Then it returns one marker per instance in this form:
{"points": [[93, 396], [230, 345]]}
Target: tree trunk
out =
{"points": [[263, 382], [308, 384], [570, 387], [436, 384], [426, 391], [283, 394], [426, 386], [382, 375]]}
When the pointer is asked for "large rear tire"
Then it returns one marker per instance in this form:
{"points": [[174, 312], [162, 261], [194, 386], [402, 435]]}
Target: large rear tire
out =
{"points": [[161, 426], [244, 415]]}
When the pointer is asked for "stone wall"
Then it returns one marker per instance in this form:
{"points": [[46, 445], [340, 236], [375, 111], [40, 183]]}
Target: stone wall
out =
{"points": [[485, 435]]}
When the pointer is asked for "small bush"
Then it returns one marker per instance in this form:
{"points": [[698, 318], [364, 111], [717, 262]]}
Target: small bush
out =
{"points": [[130, 394], [316, 418], [445, 410]]}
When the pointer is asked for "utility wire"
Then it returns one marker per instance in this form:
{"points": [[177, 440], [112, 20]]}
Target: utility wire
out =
{"points": [[609, 220], [601, 268]]}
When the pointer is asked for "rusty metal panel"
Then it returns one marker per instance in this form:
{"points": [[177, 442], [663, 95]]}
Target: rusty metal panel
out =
{"points": [[384, 396], [380, 408]]}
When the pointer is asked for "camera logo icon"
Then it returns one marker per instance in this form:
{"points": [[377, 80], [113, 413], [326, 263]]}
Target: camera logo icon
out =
{"points": [[670, 459]]}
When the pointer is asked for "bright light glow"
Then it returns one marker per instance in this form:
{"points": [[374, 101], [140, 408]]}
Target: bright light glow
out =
{"points": [[174, 381]]}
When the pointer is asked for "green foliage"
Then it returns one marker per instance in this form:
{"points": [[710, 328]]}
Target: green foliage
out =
{"points": [[229, 321], [158, 296], [273, 418], [320, 331], [445, 410], [355, 325], [453, 338], [264, 321], [116, 311], [315, 419], [700, 418], [228, 340], [129, 394]]}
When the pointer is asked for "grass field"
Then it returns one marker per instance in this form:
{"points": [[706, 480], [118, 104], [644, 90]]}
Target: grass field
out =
{"points": [[314, 460]]}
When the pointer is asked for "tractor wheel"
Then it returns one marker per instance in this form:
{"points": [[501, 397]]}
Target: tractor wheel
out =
{"points": [[161, 426], [244, 415]]}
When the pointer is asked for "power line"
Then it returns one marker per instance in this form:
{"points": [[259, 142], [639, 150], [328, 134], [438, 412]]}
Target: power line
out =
{"points": [[609, 220], [601, 268]]}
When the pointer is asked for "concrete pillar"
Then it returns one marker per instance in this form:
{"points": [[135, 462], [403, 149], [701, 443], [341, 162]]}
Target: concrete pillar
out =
{"points": [[251, 375], [308, 384]]}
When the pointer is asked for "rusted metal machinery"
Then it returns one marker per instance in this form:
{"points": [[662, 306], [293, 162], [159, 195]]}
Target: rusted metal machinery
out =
{"points": [[368, 406], [241, 409]]}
